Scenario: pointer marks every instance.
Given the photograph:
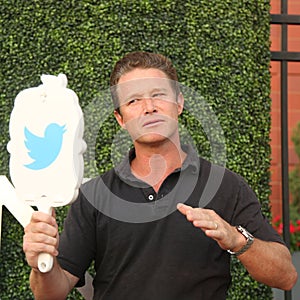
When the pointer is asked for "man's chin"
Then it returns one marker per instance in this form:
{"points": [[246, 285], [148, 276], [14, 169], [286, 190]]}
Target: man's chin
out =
{"points": [[152, 139]]}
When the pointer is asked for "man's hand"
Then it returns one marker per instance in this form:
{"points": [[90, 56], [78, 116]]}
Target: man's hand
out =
{"points": [[267, 262], [214, 227], [41, 235]]}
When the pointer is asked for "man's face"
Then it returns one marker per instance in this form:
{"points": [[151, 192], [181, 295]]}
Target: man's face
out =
{"points": [[148, 106]]}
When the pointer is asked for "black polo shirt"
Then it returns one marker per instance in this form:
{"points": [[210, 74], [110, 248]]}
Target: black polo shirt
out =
{"points": [[143, 248]]}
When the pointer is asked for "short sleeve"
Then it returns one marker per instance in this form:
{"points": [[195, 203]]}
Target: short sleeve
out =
{"points": [[249, 215], [77, 241]]}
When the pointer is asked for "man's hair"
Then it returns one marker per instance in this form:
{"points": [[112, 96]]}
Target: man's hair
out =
{"points": [[142, 60]]}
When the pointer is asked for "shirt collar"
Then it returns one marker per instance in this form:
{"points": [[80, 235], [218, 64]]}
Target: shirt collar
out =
{"points": [[124, 171]]}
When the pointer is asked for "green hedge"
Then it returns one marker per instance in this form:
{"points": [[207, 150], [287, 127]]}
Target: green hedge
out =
{"points": [[220, 48]]}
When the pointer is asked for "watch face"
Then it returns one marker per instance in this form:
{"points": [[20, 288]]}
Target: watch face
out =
{"points": [[244, 232], [249, 237]]}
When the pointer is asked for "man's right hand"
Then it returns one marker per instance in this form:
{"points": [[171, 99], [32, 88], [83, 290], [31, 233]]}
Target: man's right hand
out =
{"points": [[41, 236]]}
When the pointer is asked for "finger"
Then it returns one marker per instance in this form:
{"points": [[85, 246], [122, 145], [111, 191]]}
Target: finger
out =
{"points": [[191, 213], [32, 250], [206, 224], [40, 238], [53, 213], [183, 208], [38, 216], [41, 227], [36, 243]]}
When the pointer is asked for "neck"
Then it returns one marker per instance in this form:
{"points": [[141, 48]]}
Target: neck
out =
{"points": [[153, 163]]}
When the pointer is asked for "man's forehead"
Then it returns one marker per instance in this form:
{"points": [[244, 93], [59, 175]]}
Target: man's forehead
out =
{"points": [[142, 85]]}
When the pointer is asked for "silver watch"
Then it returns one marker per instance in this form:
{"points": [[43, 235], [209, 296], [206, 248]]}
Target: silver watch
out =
{"points": [[249, 237]]}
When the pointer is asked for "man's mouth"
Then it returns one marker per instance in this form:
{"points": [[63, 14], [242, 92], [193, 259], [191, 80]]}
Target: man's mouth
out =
{"points": [[151, 123]]}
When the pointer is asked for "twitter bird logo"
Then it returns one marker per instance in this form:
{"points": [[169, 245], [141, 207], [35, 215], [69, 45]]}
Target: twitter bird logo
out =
{"points": [[44, 150]]}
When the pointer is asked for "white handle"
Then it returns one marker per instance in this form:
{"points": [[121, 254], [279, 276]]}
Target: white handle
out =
{"points": [[45, 262]]}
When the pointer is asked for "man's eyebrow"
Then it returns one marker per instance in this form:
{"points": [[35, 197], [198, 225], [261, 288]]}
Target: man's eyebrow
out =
{"points": [[139, 95], [160, 89]]}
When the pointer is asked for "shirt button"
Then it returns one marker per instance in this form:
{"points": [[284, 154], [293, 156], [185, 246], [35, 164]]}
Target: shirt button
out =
{"points": [[150, 197]]}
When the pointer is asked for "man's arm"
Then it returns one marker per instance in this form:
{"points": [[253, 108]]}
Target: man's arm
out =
{"points": [[41, 235], [270, 263], [267, 262], [55, 284]]}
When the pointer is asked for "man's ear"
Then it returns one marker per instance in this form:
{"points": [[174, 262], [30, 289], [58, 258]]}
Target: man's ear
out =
{"points": [[180, 103], [119, 118]]}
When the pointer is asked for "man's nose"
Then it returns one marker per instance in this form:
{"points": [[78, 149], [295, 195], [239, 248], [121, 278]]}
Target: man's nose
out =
{"points": [[149, 105]]}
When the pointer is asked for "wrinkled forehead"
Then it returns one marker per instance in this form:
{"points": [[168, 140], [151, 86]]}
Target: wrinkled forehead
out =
{"points": [[143, 87]]}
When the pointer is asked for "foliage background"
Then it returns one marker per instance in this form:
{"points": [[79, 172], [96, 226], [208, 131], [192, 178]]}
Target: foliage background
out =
{"points": [[220, 48]]}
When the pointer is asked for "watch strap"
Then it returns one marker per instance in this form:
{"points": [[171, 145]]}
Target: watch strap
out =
{"points": [[249, 237]]}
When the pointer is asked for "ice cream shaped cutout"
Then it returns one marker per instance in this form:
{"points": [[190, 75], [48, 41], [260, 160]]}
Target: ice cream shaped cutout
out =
{"points": [[46, 147]]}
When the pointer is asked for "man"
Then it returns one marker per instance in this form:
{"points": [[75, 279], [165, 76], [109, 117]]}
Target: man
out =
{"points": [[153, 250]]}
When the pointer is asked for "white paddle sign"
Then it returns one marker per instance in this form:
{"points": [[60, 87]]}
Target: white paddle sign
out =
{"points": [[46, 147]]}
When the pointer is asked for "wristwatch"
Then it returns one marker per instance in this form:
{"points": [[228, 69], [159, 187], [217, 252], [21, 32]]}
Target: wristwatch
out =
{"points": [[249, 237]]}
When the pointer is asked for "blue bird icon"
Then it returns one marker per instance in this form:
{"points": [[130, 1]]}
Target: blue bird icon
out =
{"points": [[44, 150]]}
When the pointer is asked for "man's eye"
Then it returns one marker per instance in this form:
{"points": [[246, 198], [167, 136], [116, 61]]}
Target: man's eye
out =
{"points": [[132, 101]]}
